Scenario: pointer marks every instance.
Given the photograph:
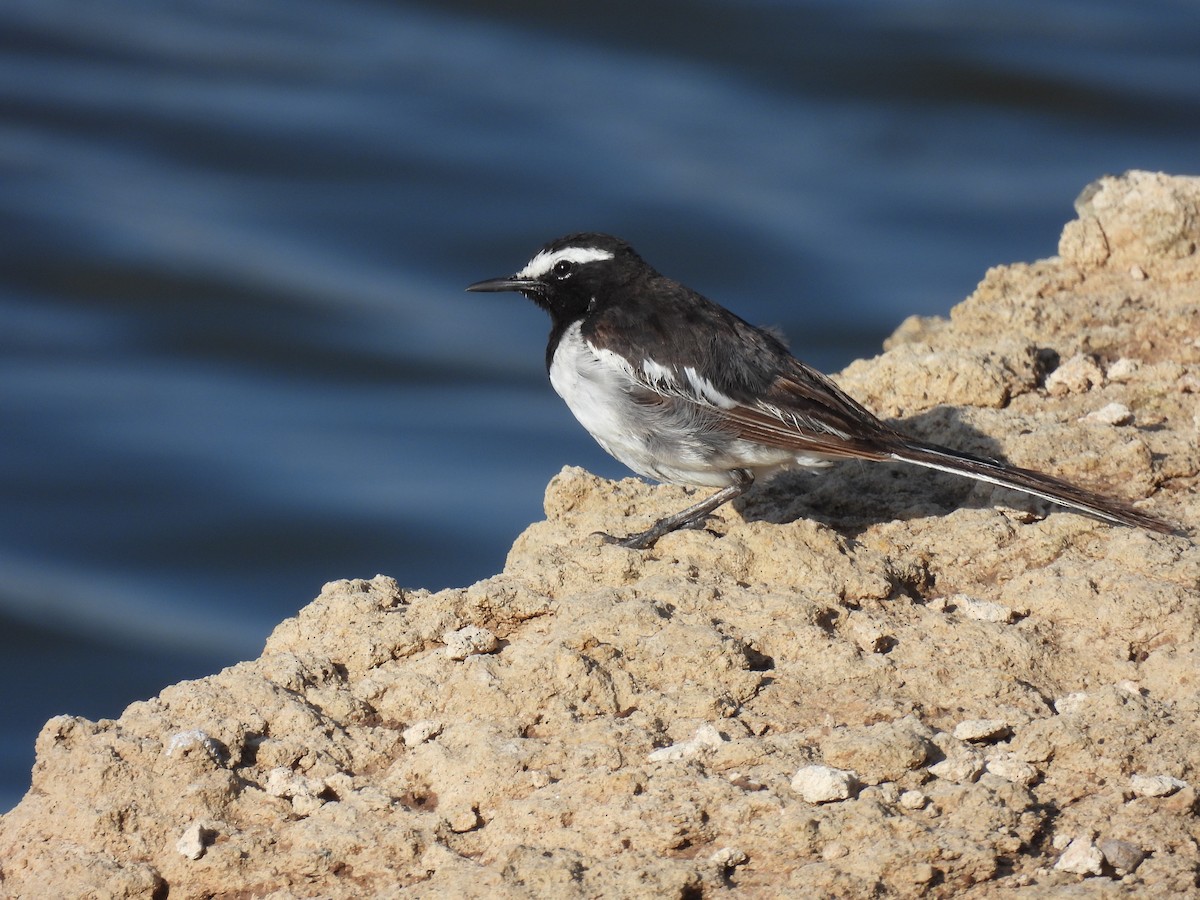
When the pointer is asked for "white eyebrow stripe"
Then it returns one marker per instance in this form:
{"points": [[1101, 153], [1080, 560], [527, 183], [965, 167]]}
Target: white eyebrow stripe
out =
{"points": [[545, 261]]}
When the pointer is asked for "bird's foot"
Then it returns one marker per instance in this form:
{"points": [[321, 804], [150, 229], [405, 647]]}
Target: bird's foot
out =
{"points": [[693, 517], [644, 540]]}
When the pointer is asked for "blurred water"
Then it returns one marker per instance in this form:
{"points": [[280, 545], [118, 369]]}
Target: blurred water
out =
{"points": [[236, 359]]}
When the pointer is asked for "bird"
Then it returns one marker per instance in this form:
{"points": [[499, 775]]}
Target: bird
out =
{"points": [[683, 391]]}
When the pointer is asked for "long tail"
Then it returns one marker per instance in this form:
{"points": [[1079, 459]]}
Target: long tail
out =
{"points": [[1045, 486]]}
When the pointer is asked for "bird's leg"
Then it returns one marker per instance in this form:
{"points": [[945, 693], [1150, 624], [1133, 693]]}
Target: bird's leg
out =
{"points": [[686, 518]]}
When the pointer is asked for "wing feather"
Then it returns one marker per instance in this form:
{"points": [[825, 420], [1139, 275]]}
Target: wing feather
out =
{"points": [[743, 378]]}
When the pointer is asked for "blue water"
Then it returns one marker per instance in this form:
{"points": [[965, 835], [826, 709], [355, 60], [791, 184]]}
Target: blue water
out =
{"points": [[236, 358]]}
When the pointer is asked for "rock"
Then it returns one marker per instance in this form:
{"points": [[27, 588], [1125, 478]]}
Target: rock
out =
{"points": [[729, 858], [1072, 704], [881, 752], [835, 850], [1123, 370], [185, 743], [1077, 375], [962, 764], [917, 873], [823, 784], [304, 792], [963, 768], [1013, 769], [706, 738], [913, 800], [469, 641], [1123, 856], [462, 819], [1155, 785], [1081, 857], [1144, 219], [869, 636], [1110, 414], [421, 731], [194, 840], [982, 730], [981, 610], [629, 724]]}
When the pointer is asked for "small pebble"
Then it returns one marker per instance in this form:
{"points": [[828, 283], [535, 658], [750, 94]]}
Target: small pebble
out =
{"points": [[304, 792], [195, 840], [913, 800], [869, 636], [283, 782], [1137, 273], [337, 785], [463, 819], [1081, 857], [982, 730], [1071, 704], [835, 850], [705, 739], [469, 641], [822, 784], [1121, 855], [1123, 369], [962, 767], [1156, 785], [1013, 769], [745, 782], [887, 792], [1005, 842], [1077, 375], [982, 610], [729, 858], [186, 742], [1112, 414], [916, 873], [421, 731]]}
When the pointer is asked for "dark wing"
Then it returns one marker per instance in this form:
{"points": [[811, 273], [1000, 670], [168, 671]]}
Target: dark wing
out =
{"points": [[804, 410], [685, 347]]}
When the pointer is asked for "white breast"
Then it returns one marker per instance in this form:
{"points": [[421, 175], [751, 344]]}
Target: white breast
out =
{"points": [[673, 440], [596, 386]]}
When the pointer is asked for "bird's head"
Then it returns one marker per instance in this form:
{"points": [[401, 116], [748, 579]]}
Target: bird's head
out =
{"points": [[568, 276]]}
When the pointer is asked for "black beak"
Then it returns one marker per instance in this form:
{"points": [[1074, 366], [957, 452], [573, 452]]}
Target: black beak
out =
{"points": [[496, 285]]}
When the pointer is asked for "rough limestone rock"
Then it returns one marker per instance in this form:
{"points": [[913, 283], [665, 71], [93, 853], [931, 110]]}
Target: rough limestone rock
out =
{"points": [[608, 722]]}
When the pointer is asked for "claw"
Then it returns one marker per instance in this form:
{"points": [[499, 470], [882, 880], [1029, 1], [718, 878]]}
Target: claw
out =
{"points": [[641, 541]]}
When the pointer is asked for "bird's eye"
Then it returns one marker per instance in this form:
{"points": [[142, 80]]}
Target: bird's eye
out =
{"points": [[563, 268]]}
